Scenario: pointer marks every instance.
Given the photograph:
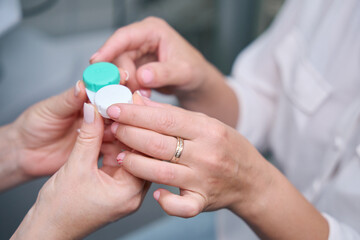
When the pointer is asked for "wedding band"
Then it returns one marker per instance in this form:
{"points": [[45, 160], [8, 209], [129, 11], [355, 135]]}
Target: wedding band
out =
{"points": [[178, 150]]}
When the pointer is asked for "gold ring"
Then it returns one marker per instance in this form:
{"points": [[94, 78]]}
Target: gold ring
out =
{"points": [[178, 151]]}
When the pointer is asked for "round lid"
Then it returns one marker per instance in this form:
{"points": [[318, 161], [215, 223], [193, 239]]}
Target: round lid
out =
{"points": [[100, 74], [110, 95]]}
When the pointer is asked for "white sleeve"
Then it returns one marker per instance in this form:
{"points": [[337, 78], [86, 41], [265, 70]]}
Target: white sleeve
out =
{"points": [[340, 231], [256, 82]]}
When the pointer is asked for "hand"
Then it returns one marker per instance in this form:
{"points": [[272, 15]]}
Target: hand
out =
{"points": [[80, 198], [216, 166], [156, 56], [46, 132], [217, 169]]}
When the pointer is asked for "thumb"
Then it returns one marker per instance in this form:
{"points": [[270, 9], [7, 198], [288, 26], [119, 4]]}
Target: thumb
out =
{"points": [[67, 103], [87, 146], [162, 74], [187, 205]]}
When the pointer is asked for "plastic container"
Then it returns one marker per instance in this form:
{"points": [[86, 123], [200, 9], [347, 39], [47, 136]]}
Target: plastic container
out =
{"points": [[102, 86]]}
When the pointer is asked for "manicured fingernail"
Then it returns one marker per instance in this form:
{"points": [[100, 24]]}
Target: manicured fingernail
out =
{"points": [[114, 127], [113, 111], [147, 76], [144, 93], [127, 75], [89, 113], [138, 93], [77, 88], [94, 56], [120, 158], [157, 195]]}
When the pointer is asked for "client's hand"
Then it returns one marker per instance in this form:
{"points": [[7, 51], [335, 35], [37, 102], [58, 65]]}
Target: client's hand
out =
{"points": [[46, 132], [80, 198]]}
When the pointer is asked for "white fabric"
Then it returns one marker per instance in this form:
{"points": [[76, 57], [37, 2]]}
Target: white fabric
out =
{"points": [[298, 87], [10, 14]]}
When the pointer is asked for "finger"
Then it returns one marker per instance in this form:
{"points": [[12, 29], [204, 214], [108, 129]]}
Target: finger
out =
{"points": [[108, 135], [152, 143], [137, 98], [166, 120], [125, 61], [68, 103], [186, 206], [161, 74], [156, 171], [144, 34], [110, 152], [88, 142]]}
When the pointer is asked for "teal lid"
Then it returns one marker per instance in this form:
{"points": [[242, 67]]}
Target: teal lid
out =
{"points": [[100, 74]]}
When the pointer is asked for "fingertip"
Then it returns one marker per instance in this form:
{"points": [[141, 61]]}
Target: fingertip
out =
{"points": [[94, 57], [156, 195], [113, 111], [114, 127], [138, 98], [124, 76], [146, 76]]}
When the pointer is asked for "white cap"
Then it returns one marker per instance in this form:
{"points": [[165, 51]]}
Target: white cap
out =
{"points": [[109, 95]]}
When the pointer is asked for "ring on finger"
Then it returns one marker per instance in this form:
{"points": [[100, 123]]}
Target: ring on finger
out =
{"points": [[178, 151]]}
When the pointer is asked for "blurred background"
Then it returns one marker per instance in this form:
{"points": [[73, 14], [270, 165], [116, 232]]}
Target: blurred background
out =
{"points": [[48, 43]]}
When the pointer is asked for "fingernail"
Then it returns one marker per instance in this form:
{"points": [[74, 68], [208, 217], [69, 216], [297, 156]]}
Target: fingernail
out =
{"points": [[113, 111], [147, 76], [120, 158], [127, 75], [139, 93], [114, 127], [94, 56], [144, 93], [157, 195], [89, 113], [77, 88]]}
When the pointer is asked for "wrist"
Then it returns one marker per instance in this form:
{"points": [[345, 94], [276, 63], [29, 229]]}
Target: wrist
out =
{"points": [[11, 172], [37, 225], [258, 182]]}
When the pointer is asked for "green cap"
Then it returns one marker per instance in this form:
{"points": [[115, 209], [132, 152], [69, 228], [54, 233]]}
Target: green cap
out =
{"points": [[100, 74]]}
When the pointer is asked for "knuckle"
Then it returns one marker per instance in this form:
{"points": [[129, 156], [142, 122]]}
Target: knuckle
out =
{"points": [[134, 204], [85, 137], [164, 174], [191, 210], [218, 131], [156, 147], [122, 132]]}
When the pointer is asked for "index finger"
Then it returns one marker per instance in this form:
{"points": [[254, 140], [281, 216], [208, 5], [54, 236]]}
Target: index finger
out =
{"points": [[168, 120], [139, 35]]}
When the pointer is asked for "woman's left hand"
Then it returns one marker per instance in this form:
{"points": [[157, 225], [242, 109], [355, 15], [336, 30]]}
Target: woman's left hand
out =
{"points": [[80, 197], [217, 166]]}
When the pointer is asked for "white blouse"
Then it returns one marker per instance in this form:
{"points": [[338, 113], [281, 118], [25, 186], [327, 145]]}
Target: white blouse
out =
{"points": [[298, 87]]}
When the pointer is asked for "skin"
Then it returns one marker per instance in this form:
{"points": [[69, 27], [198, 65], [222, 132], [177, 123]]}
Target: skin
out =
{"points": [[39, 142], [80, 197], [218, 168], [152, 50]]}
